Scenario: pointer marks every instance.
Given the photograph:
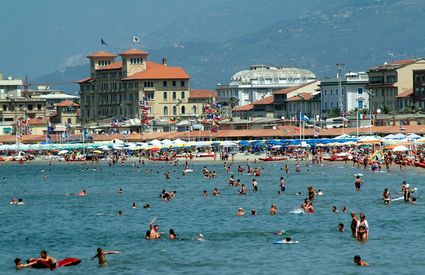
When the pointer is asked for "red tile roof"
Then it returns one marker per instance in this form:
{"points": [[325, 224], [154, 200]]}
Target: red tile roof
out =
{"points": [[159, 71], [112, 66], [84, 80], [407, 93], [199, 94], [394, 65], [291, 89], [305, 96], [133, 52], [244, 108], [67, 103], [101, 54], [265, 101]]}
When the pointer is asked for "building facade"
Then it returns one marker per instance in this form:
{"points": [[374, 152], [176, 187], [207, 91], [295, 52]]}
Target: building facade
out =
{"points": [[347, 93], [389, 80], [121, 88], [419, 88], [259, 81]]}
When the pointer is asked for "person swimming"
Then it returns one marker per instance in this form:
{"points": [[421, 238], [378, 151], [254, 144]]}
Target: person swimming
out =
{"points": [[386, 196], [172, 234], [358, 261], [48, 259], [20, 265], [273, 209], [240, 212], [100, 255], [341, 227]]}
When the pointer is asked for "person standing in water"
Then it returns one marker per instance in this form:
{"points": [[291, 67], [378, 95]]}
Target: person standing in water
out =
{"points": [[282, 185], [358, 183], [353, 226], [100, 255]]}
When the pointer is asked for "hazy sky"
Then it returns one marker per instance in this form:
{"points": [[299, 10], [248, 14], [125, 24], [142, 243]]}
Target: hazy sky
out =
{"points": [[39, 36]]}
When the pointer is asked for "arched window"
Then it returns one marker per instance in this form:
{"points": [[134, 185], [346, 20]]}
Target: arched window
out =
{"points": [[174, 96], [183, 110], [174, 110], [165, 111], [194, 109], [165, 96]]}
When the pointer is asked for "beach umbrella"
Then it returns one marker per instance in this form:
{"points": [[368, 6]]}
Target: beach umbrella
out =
{"points": [[97, 152], [413, 137], [63, 152], [400, 148]]}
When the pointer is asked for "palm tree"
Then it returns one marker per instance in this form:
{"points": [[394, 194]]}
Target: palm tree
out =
{"points": [[385, 109], [335, 112]]}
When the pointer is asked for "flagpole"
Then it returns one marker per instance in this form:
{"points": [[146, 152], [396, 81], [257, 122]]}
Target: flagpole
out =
{"points": [[300, 127], [357, 123]]}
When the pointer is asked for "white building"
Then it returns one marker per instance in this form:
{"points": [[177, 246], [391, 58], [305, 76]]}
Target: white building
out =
{"points": [[10, 87], [348, 92], [259, 81]]}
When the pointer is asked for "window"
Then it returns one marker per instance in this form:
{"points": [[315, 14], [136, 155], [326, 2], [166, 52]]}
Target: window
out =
{"points": [[4, 107], [183, 95], [194, 109], [332, 105], [174, 96], [174, 110], [165, 96], [174, 83], [165, 111], [182, 83], [149, 96], [360, 104], [336, 92], [69, 120], [325, 92], [360, 91], [39, 106], [331, 92], [164, 83], [183, 110]]}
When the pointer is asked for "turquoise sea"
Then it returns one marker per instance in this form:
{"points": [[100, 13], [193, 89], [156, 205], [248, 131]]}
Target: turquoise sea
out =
{"points": [[71, 226]]}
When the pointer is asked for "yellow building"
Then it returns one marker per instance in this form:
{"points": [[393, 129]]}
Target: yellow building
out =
{"points": [[120, 88], [390, 80]]}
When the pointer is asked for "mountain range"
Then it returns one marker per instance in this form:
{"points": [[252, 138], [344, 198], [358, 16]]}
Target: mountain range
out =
{"points": [[214, 42]]}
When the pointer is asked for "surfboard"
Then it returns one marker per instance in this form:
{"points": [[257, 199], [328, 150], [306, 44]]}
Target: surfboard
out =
{"points": [[297, 211], [397, 199], [284, 242]]}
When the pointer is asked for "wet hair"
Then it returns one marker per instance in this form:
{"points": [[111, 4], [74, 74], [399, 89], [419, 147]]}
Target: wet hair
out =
{"points": [[148, 233], [357, 258], [17, 260], [99, 250], [288, 239], [43, 252], [171, 231]]}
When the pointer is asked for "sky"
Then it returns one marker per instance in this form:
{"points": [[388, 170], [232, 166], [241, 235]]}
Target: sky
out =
{"points": [[39, 37]]}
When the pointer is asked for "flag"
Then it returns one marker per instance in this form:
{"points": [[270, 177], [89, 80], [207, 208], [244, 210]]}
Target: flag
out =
{"points": [[305, 118], [136, 39], [102, 42], [318, 118]]}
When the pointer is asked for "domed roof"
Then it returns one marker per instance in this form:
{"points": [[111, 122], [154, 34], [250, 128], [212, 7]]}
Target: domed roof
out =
{"points": [[267, 72]]}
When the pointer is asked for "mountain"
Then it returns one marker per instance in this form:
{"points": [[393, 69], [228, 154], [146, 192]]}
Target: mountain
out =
{"points": [[215, 43]]}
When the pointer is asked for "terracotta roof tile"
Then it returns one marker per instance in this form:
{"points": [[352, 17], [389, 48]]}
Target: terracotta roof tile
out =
{"points": [[242, 108], [394, 64], [159, 71], [265, 101], [305, 96], [195, 94], [133, 52], [84, 80], [291, 89], [112, 66], [67, 103], [101, 54], [407, 93]]}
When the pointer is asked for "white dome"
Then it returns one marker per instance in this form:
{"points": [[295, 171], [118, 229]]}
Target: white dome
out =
{"points": [[274, 74]]}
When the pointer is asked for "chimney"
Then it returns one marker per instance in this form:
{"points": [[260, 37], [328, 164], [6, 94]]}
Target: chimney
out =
{"points": [[164, 61]]}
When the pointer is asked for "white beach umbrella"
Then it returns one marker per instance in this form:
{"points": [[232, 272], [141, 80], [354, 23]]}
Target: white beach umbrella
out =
{"points": [[400, 148]]}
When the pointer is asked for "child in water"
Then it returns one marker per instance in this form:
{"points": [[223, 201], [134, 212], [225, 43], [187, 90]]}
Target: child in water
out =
{"points": [[101, 255]]}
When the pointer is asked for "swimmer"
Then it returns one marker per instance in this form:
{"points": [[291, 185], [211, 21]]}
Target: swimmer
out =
{"points": [[120, 191], [154, 232], [49, 259], [205, 193], [146, 206], [358, 261], [282, 185], [344, 209], [20, 202], [82, 193], [386, 196], [199, 237], [362, 228], [253, 212], [20, 265], [334, 209], [289, 240], [353, 226], [13, 201], [358, 183], [254, 185], [273, 210], [341, 227], [100, 254], [240, 212], [134, 205], [216, 192], [172, 235], [119, 213]]}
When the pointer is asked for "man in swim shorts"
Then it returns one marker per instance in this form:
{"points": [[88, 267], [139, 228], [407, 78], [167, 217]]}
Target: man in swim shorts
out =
{"points": [[358, 183]]}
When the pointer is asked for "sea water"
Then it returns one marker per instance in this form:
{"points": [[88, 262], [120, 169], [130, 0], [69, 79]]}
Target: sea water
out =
{"points": [[70, 226]]}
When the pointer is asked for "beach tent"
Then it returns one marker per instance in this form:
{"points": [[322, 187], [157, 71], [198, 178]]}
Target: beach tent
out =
{"points": [[167, 142], [155, 142]]}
